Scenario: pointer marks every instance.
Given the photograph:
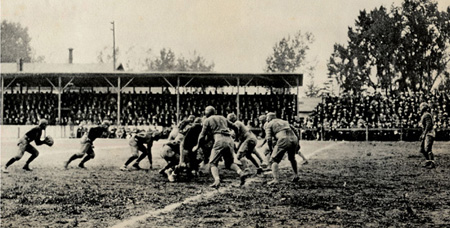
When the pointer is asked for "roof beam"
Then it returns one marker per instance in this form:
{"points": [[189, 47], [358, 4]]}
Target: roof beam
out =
{"points": [[227, 82], [188, 82], [165, 79], [109, 82], [51, 83], [286, 81], [251, 79], [7, 86], [68, 83]]}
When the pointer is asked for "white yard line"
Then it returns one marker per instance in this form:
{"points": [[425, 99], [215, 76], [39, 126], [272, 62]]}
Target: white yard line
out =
{"points": [[322, 149], [129, 222]]}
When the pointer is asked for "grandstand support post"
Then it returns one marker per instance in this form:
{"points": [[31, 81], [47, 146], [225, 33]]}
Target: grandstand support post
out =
{"points": [[237, 100], [367, 132], [178, 99], [401, 132], [2, 100], [297, 100], [118, 101], [59, 101]]}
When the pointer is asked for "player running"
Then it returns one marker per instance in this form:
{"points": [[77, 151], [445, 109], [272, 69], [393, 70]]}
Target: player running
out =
{"points": [[428, 135], [286, 142], [247, 143], [87, 146], [141, 141], [223, 147], [24, 145]]}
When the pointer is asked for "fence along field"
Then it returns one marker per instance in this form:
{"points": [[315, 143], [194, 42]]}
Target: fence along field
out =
{"points": [[346, 184]]}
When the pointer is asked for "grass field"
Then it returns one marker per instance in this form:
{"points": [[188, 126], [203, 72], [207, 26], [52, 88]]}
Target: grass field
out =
{"points": [[346, 184]]}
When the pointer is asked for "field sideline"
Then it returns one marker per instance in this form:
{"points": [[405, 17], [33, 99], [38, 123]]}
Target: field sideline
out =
{"points": [[345, 184]]}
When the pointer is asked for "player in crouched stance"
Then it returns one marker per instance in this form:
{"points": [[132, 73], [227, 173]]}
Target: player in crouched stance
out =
{"points": [[87, 146], [286, 142], [24, 145], [143, 142], [427, 136], [223, 147], [247, 143]]}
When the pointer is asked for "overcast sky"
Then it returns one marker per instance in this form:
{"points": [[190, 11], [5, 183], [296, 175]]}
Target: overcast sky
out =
{"points": [[237, 36]]}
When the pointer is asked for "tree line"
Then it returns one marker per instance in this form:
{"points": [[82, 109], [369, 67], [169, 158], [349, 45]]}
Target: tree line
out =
{"points": [[404, 48]]}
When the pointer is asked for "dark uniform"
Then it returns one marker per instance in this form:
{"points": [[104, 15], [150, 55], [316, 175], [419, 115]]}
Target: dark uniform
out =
{"points": [[88, 139], [190, 140], [87, 144], [24, 145], [24, 142], [171, 152]]}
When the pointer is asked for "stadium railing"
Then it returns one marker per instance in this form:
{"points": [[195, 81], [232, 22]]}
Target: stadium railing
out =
{"points": [[338, 134], [370, 134]]}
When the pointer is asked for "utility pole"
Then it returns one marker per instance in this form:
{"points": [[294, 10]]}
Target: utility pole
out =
{"points": [[118, 78], [114, 44]]}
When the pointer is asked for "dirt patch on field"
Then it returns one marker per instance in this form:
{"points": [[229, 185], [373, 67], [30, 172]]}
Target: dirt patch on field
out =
{"points": [[350, 184]]}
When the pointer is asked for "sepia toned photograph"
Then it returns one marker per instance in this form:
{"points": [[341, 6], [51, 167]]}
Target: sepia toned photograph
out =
{"points": [[214, 113]]}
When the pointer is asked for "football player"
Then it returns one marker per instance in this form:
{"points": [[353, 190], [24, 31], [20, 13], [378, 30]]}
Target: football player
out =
{"points": [[141, 141], [247, 143], [217, 126], [428, 135], [87, 147], [24, 144], [286, 142]]}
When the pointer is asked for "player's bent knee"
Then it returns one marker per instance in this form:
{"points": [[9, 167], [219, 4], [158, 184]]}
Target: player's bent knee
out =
{"points": [[35, 153], [79, 155], [249, 156], [274, 160]]}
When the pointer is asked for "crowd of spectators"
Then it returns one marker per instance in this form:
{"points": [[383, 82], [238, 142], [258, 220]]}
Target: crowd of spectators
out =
{"points": [[29, 108], [378, 111], [138, 109], [329, 120]]}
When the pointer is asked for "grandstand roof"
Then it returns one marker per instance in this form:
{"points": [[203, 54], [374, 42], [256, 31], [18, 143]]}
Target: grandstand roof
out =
{"points": [[91, 78], [11, 68]]}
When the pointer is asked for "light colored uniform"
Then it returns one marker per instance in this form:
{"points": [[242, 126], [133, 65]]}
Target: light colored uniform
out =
{"points": [[427, 125], [286, 140], [247, 140], [223, 143]]}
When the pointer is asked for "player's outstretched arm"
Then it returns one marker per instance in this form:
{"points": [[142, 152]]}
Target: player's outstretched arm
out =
{"points": [[295, 131]]}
